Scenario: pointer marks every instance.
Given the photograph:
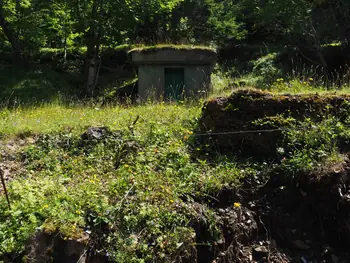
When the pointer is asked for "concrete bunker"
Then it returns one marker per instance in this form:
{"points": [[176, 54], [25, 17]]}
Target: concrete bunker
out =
{"points": [[173, 73]]}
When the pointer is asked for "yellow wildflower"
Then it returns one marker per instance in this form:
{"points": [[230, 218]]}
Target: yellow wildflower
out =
{"points": [[311, 79], [236, 204]]}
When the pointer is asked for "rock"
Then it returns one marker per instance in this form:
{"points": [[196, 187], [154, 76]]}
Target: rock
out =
{"points": [[43, 248], [335, 259], [300, 244], [39, 248], [96, 133], [260, 252]]}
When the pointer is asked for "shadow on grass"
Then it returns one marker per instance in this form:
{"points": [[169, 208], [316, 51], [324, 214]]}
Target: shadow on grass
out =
{"points": [[41, 84], [28, 87]]}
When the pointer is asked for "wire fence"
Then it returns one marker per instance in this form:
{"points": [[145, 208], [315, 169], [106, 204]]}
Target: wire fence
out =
{"points": [[236, 132]]}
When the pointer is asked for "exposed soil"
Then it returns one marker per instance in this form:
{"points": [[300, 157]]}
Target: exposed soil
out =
{"points": [[10, 161], [307, 220]]}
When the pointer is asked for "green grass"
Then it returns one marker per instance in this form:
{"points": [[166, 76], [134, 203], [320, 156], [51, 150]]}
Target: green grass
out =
{"points": [[65, 182], [50, 118], [145, 181], [224, 85]]}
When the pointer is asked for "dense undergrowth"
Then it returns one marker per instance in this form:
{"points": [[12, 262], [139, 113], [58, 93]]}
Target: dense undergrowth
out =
{"points": [[136, 190], [141, 192], [139, 181]]}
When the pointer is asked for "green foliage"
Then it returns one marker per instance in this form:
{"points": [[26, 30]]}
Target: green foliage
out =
{"points": [[265, 68], [310, 146], [142, 190], [135, 181], [34, 86]]}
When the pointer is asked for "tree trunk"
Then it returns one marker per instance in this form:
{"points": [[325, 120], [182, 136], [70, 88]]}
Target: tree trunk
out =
{"points": [[93, 48], [91, 62], [12, 38]]}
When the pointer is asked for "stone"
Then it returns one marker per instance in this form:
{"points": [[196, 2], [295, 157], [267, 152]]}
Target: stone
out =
{"points": [[335, 259], [300, 244], [44, 247], [95, 133], [260, 252]]}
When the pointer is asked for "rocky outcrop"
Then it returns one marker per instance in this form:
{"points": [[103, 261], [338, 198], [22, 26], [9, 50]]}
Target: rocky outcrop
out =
{"points": [[45, 247], [235, 121]]}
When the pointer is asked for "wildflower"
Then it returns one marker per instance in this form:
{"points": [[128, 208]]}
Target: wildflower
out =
{"points": [[190, 132], [171, 201], [304, 82], [311, 79], [236, 204], [46, 206], [126, 165], [185, 138], [78, 212]]}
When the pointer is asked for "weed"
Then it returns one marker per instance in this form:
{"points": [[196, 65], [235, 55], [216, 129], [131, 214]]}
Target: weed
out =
{"points": [[136, 209]]}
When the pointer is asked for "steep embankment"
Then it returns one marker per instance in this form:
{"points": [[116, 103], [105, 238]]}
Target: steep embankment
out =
{"points": [[300, 197]]}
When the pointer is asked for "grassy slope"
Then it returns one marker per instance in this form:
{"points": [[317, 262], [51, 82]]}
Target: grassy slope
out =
{"points": [[142, 183], [148, 200], [64, 182]]}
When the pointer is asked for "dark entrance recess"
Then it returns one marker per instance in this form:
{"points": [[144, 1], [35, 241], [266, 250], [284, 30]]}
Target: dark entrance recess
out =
{"points": [[174, 83]]}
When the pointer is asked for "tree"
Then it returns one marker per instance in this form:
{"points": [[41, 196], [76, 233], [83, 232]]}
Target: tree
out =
{"points": [[10, 33], [100, 20]]}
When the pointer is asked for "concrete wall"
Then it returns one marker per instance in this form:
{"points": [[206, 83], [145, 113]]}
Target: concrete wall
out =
{"points": [[197, 81], [152, 80], [197, 63], [170, 57]]}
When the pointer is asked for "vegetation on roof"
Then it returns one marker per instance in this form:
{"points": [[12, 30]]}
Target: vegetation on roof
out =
{"points": [[172, 47]]}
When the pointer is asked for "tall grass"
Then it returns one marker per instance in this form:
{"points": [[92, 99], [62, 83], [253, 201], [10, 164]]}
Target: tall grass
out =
{"points": [[49, 118]]}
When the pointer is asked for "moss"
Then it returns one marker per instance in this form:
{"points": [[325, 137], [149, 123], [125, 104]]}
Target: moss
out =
{"points": [[278, 121], [323, 99], [250, 109], [145, 49]]}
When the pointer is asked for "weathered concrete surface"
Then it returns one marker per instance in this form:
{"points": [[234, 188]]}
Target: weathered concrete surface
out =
{"points": [[171, 56], [197, 65], [151, 83]]}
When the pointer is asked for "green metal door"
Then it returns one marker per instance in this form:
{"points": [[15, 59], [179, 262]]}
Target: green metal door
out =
{"points": [[174, 83]]}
